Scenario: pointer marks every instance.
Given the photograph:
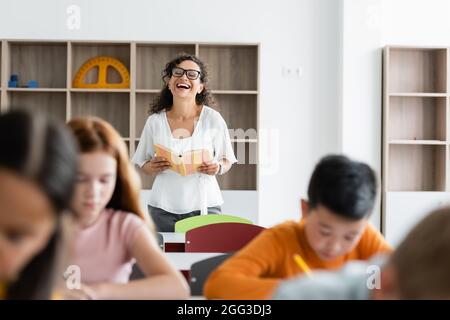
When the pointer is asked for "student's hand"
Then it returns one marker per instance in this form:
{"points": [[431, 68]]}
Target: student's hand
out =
{"points": [[157, 165], [84, 293], [209, 167]]}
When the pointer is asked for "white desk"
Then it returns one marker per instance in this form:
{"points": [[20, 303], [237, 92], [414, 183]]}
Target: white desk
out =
{"points": [[173, 237], [184, 260], [197, 298]]}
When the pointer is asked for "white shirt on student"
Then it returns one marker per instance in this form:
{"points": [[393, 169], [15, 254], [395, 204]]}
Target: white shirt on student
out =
{"points": [[182, 194]]}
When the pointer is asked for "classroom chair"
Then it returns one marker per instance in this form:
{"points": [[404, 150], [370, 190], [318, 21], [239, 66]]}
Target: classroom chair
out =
{"points": [[201, 270], [220, 237], [187, 224], [160, 239]]}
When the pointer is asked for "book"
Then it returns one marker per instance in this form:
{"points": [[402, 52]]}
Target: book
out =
{"points": [[185, 164]]}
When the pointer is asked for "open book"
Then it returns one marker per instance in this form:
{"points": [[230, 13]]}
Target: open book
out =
{"points": [[186, 163]]}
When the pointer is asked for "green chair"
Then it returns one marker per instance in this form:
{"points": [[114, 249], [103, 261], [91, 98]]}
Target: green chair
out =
{"points": [[187, 224]]}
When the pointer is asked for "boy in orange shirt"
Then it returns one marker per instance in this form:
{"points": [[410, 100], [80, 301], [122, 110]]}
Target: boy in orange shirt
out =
{"points": [[418, 269], [335, 229]]}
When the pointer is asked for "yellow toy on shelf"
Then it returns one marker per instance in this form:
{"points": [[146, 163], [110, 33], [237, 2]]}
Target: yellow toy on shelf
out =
{"points": [[102, 63]]}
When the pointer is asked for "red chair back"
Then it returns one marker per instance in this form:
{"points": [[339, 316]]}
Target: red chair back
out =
{"points": [[220, 237]]}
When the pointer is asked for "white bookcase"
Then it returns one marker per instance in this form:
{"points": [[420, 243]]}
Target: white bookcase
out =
{"points": [[415, 135]]}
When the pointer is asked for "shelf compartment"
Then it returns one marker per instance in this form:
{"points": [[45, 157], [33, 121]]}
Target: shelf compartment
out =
{"points": [[417, 118], [43, 62], [416, 168], [151, 60], [238, 111], [242, 175], [52, 104], [231, 67], [82, 52], [418, 70], [143, 102], [112, 107]]}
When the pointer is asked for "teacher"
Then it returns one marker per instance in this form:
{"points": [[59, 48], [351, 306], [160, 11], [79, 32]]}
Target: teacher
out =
{"points": [[181, 119]]}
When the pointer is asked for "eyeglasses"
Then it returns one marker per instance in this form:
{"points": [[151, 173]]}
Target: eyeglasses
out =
{"points": [[190, 74]]}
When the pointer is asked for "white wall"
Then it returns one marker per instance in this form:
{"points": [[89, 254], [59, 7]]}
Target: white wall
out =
{"points": [[368, 26], [361, 85], [416, 22], [292, 33]]}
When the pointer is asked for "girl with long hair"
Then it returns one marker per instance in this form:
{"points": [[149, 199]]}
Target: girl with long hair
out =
{"points": [[113, 232]]}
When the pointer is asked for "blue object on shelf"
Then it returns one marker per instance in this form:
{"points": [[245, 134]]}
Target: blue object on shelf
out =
{"points": [[33, 84], [13, 81], [12, 84]]}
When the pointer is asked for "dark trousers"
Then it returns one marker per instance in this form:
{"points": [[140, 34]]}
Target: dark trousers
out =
{"points": [[165, 221]]}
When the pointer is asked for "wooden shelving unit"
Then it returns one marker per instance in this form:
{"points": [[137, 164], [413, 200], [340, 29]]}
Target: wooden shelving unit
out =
{"points": [[233, 73], [415, 119], [415, 126]]}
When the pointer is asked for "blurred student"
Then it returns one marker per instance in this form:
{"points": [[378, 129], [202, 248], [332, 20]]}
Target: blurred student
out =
{"points": [[38, 161], [418, 269], [113, 231], [335, 229]]}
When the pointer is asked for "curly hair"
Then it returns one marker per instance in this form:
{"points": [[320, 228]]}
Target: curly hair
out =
{"points": [[164, 101]]}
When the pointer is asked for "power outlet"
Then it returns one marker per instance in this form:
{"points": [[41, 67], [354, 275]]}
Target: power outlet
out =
{"points": [[292, 72]]}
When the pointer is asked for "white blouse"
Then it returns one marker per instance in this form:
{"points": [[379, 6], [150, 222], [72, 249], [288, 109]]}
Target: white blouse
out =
{"points": [[182, 194]]}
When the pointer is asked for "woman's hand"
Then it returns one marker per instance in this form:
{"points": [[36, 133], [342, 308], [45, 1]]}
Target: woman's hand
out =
{"points": [[209, 167], [156, 165]]}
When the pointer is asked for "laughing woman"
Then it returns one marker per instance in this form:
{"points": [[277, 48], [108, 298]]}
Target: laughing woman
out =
{"points": [[182, 120]]}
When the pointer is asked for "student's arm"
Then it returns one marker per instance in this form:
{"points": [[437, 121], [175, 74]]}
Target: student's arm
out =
{"points": [[163, 280], [249, 273]]}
